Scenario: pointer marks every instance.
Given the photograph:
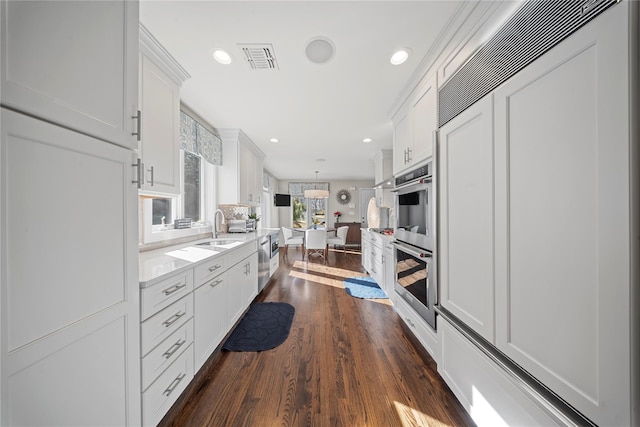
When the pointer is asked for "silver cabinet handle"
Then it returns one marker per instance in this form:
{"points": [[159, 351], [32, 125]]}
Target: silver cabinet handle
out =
{"points": [[409, 154], [174, 288], [150, 170], [214, 268], [138, 164], [139, 122], [172, 350], [405, 156], [173, 319], [174, 384], [409, 322], [215, 283]]}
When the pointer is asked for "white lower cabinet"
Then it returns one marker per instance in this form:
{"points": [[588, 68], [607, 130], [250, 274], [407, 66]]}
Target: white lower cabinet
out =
{"points": [[389, 268], [486, 392], [185, 318], [418, 326]]}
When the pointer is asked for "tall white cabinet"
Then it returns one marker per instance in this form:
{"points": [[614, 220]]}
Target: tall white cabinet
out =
{"points": [[69, 312], [539, 222], [466, 213]]}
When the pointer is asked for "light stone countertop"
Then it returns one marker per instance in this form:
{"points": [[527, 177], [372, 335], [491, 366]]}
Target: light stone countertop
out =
{"points": [[155, 265]]}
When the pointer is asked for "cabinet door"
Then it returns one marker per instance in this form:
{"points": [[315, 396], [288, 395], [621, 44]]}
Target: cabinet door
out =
{"points": [[389, 269], [563, 230], [73, 63], [424, 117], [250, 288], [70, 302], [247, 174], [210, 325], [235, 294], [160, 140], [466, 230], [401, 141]]}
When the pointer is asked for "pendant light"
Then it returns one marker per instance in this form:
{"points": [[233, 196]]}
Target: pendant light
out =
{"points": [[316, 193]]}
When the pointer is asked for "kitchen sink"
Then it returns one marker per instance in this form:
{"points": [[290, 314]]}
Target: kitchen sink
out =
{"points": [[222, 243]]}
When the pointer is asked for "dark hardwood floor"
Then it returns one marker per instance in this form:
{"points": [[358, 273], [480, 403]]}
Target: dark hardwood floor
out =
{"points": [[346, 362]]}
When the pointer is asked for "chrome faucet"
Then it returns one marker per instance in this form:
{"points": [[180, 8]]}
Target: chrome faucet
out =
{"points": [[215, 222]]}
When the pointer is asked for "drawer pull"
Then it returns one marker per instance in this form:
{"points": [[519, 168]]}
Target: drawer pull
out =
{"points": [[167, 354], [214, 268], [173, 319], [174, 384], [174, 288], [215, 283]]}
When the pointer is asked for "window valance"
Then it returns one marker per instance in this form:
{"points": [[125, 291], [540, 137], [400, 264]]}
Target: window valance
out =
{"points": [[298, 188], [198, 140]]}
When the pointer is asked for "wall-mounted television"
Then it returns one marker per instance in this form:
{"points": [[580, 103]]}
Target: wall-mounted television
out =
{"points": [[282, 199]]}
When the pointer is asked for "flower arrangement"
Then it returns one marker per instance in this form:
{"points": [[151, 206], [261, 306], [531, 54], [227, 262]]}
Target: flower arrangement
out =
{"points": [[337, 215]]}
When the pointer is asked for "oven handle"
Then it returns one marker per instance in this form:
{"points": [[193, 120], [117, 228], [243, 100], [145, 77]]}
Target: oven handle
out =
{"points": [[425, 180], [411, 250]]}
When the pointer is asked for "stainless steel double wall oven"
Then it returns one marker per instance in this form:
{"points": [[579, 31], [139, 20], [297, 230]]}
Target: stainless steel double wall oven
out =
{"points": [[415, 277]]}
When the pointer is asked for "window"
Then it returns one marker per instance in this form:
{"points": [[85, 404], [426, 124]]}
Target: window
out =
{"points": [[162, 211], [192, 179]]}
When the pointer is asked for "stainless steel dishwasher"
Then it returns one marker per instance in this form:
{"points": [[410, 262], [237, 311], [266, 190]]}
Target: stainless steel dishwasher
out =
{"points": [[264, 256]]}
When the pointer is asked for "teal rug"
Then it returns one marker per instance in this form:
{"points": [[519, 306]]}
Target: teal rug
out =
{"points": [[363, 287]]}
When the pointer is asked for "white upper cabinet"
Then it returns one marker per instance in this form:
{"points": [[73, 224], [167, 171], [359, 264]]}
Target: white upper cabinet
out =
{"points": [[565, 191], [465, 176], [73, 63], [383, 169], [159, 100], [241, 170], [414, 125]]}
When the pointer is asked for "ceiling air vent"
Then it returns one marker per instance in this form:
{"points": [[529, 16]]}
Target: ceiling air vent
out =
{"points": [[534, 29], [260, 56]]}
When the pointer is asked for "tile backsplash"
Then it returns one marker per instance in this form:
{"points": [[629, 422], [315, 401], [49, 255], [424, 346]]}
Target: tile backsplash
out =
{"points": [[234, 212]]}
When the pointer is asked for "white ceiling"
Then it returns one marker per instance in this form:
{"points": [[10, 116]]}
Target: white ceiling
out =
{"points": [[317, 111]]}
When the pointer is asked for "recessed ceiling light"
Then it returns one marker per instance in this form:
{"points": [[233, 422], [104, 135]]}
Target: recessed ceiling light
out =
{"points": [[320, 50], [367, 140], [274, 140], [222, 56], [400, 56]]}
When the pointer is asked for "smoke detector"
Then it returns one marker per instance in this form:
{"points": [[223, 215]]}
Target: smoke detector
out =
{"points": [[320, 50], [260, 56]]}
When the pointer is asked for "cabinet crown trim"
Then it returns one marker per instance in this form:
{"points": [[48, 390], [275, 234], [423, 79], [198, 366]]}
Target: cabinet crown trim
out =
{"points": [[151, 48]]}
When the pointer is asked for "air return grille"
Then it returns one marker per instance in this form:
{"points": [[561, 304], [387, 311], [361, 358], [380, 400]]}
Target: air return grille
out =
{"points": [[534, 29], [260, 56]]}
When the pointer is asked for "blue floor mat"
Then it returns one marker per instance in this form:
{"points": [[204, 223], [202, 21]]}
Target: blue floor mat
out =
{"points": [[363, 287]]}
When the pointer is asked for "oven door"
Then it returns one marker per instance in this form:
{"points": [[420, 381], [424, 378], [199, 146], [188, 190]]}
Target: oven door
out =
{"points": [[415, 280], [414, 214]]}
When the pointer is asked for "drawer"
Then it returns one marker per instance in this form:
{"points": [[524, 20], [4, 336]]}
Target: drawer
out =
{"points": [[159, 397], [241, 253], [274, 263], [164, 293], [208, 270], [158, 359], [160, 326]]}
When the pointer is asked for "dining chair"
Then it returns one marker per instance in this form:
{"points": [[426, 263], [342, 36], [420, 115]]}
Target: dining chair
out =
{"points": [[340, 238], [289, 239], [315, 241]]}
